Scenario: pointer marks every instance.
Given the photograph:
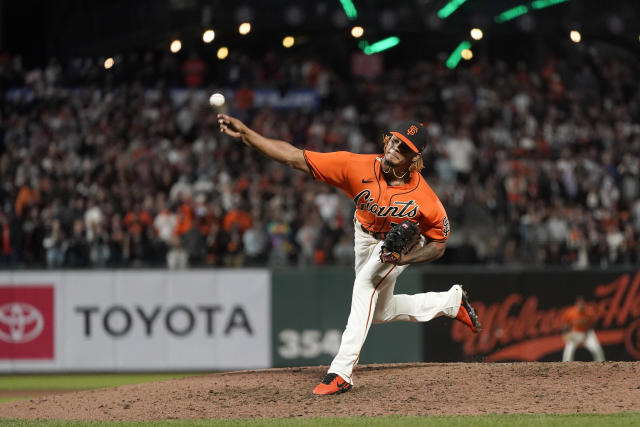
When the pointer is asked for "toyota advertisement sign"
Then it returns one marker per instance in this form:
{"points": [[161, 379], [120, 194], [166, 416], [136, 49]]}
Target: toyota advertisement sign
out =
{"points": [[135, 320], [27, 326]]}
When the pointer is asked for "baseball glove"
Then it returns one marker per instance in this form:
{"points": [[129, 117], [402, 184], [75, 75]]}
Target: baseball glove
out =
{"points": [[398, 241]]}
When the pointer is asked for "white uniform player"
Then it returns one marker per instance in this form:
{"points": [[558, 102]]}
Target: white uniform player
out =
{"points": [[387, 189]]}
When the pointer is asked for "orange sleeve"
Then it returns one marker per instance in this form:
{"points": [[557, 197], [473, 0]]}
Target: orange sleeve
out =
{"points": [[435, 224], [145, 218], [228, 220], [21, 200], [331, 168], [128, 218]]}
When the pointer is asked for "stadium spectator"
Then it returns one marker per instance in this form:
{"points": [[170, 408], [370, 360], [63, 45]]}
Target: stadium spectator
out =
{"points": [[55, 245], [535, 165], [194, 70]]}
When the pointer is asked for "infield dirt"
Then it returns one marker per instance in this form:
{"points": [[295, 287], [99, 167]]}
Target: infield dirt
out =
{"points": [[402, 389]]}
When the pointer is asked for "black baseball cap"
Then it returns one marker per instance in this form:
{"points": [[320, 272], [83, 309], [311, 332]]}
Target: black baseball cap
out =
{"points": [[412, 133]]}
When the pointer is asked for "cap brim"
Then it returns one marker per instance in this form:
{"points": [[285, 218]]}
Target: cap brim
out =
{"points": [[406, 141]]}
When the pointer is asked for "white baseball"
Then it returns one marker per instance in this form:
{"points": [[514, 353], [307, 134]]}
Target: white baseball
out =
{"points": [[216, 100]]}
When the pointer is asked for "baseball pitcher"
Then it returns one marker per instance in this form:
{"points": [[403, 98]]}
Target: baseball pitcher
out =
{"points": [[399, 220]]}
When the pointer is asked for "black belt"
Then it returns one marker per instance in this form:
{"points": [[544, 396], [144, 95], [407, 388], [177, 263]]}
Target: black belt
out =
{"points": [[379, 235]]}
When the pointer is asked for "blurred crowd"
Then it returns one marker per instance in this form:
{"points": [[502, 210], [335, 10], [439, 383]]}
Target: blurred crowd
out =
{"points": [[535, 165]]}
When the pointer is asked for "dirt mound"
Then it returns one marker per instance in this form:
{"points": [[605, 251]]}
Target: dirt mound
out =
{"points": [[404, 389]]}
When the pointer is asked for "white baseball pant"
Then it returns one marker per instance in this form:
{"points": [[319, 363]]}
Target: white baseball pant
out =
{"points": [[373, 301], [591, 343]]}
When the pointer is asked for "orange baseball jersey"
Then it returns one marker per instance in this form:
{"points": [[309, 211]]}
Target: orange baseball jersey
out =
{"points": [[580, 322], [378, 205]]}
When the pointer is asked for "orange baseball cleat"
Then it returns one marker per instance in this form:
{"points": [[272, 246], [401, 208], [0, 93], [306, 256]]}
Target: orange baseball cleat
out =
{"points": [[467, 315], [332, 384]]}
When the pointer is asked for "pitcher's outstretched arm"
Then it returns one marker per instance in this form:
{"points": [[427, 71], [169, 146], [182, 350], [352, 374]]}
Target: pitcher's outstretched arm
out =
{"points": [[280, 151]]}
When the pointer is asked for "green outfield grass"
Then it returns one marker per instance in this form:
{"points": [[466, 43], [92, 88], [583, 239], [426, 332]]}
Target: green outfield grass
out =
{"points": [[24, 383], [623, 419], [81, 381]]}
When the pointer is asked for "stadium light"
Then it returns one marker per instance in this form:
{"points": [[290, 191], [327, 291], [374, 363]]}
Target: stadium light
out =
{"points": [[476, 33], [108, 63], [541, 4], [519, 10], [223, 52], [175, 46], [575, 36], [244, 28], [379, 46], [349, 9], [357, 31], [288, 41], [512, 13], [208, 36], [456, 55], [449, 8]]}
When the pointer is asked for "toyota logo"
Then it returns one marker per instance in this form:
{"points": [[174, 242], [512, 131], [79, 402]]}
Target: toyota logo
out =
{"points": [[20, 322]]}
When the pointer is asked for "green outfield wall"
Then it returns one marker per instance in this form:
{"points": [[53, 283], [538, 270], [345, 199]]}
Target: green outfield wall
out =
{"points": [[309, 312]]}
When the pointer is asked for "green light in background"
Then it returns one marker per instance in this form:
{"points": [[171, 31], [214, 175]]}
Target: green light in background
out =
{"points": [[449, 8], [512, 13], [541, 4], [379, 46], [456, 55], [349, 9]]}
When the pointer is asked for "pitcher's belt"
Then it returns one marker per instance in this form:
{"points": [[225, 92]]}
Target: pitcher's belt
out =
{"points": [[378, 235]]}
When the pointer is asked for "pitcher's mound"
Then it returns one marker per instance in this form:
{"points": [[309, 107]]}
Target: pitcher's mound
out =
{"points": [[402, 389]]}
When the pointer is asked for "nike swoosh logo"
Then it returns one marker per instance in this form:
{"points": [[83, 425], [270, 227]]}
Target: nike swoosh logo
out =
{"points": [[366, 181], [341, 385]]}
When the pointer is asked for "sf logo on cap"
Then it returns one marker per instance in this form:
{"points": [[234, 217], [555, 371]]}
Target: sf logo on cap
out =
{"points": [[412, 130]]}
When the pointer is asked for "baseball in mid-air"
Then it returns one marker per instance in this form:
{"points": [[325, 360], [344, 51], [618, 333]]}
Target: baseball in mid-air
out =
{"points": [[216, 100]]}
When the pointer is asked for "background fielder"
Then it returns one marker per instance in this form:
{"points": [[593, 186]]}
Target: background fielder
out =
{"points": [[578, 322], [386, 189]]}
